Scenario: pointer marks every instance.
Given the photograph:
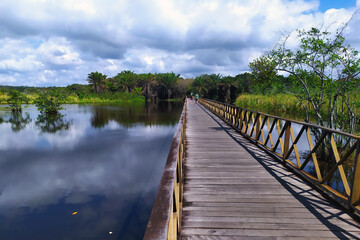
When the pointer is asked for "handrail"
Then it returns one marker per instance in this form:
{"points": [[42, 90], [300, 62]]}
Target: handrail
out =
{"points": [[276, 135], [165, 217]]}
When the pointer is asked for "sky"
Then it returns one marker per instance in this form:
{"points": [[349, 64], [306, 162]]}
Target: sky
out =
{"points": [[59, 42]]}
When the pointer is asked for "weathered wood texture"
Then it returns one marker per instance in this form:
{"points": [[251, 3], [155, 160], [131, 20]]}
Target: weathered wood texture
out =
{"points": [[233, 190]]}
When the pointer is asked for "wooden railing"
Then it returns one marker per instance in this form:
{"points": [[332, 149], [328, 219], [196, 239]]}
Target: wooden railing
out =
{"points": [[165, 217], [335, 167]]}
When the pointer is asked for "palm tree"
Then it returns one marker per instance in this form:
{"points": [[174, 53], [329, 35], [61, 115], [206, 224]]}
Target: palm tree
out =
{"points": [[126, 80], [97, 80], [225, 89], [149, 84], [168, 81]]}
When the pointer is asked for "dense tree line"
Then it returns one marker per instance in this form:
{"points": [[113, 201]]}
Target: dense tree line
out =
{"points": [[152, 86], [170, 85], [224, 88]]}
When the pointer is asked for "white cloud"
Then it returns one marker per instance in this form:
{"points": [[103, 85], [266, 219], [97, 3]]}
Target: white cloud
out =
{"points": [[18, 56], [82, 36], [58, 51], [86, 7]]}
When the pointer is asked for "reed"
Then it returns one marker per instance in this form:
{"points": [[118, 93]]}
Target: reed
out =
{"points": [[286, 105], [278, 104]]}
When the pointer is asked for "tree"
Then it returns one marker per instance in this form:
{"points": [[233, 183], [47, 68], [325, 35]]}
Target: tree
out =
{"points": [[182, 87], [49, 103], [206, 85], [15, 100], [126, 80], [97, 80], [149, 84], [167, 81], [244, 82], [227, 89], [264, 73], [322, 70]]}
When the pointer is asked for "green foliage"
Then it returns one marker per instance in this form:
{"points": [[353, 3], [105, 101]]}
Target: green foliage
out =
{"points": [[97, 80], [244, 82], [275, 104], [206, 85], [79, 90], [263, 70], [217, 87], [137, 91], [49, 103], [167, 82], [323, 70], [15, 100], [125, 81]]}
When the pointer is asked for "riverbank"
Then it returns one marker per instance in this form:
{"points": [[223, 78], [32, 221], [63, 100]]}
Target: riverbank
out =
{"points": [[119, 97]]}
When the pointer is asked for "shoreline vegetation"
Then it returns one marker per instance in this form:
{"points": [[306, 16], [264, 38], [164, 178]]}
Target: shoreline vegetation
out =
{"points": [[282, 103], [125, 87], [91, 98]]}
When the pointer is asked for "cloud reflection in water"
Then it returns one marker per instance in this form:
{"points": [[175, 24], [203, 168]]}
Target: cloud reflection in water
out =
{"points": [[109, 176]]}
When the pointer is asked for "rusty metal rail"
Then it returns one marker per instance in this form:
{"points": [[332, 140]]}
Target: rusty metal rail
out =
{"points": [[165, 218], [328, 150]]}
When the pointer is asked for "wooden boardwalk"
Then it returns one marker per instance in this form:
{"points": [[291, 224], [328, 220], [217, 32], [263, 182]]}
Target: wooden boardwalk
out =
{"points": [[233, 190]]}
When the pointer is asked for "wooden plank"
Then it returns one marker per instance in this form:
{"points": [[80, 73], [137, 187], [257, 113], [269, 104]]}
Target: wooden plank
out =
{"points": [[270, 226], [220, 237], [260, 233], [300, 215], [264, 209]]}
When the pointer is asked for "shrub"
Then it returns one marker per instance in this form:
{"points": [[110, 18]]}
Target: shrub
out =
{"points": [[15, 100], [48, 103]]}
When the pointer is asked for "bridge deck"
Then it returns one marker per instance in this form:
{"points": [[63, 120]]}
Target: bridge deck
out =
{"points": [[233, 190]]}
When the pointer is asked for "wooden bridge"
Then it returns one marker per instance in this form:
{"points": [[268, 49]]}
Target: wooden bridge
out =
{"points": [[238, 174]]}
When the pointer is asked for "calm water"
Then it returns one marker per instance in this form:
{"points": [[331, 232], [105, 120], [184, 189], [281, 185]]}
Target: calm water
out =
{"points": [[91, 174]]}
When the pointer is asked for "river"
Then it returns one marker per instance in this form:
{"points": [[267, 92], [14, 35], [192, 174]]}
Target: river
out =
{"points": [[92, 173]]}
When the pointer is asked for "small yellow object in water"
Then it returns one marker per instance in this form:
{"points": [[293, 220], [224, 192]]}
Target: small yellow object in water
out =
{"points": [[74, 213], [110, 232]]}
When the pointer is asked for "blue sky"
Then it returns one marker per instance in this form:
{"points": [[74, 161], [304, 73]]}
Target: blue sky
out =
{"points": [[327, 4], [58, 42]]}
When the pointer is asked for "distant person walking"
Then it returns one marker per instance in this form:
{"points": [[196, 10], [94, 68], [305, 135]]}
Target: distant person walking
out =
{"points": [[191, 96], [196, 97]]}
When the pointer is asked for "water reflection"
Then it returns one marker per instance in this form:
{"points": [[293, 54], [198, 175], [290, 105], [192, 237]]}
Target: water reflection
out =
{"points": [[109, 175], [51, 123], [18, 121], [148, 114]]}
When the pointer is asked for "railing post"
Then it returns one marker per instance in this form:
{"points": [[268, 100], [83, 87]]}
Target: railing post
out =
{"points": [[257, 132], [287, 139], [355, 193], [241, 119]]}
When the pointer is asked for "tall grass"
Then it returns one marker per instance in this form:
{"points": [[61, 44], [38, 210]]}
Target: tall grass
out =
{"points": [[286, 105], [277, 104]]}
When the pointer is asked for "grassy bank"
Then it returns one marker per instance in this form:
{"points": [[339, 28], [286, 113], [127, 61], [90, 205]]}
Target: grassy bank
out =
{"points": [[119, 97], [278, 104]]}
